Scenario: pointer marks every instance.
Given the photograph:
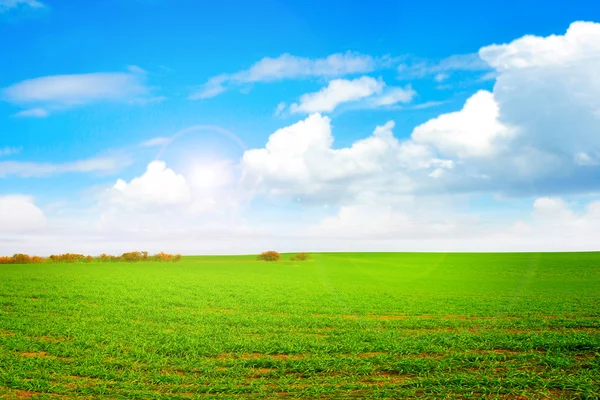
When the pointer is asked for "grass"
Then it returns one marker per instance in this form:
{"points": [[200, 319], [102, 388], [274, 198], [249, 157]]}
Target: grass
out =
{"points": [[340, 325]]}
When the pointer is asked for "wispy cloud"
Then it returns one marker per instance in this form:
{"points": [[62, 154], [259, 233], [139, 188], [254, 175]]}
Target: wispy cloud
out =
{"points": [[393, 96], [6, 5], [288, 66], [67, 91], [32, 113], [9, 151], [102, 164], [365, 92], [337, 92], [280, 108], [442, 70], [155, 142]]}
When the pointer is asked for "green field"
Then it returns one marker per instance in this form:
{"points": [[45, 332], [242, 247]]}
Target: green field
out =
{"points": [[340, 325]]}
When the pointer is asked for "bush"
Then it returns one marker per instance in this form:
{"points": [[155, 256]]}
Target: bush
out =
{"points": [[37, 260], [67, 258], [21, 259], [134, 256], [301, 257], [269, 256]]}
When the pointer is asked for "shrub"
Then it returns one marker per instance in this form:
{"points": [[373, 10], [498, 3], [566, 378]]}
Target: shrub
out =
{"points": [[37, 260], [301, 256], [134, 256], [67, 258], [21, 259], [269, 256], [165, 257], [108, 258]]}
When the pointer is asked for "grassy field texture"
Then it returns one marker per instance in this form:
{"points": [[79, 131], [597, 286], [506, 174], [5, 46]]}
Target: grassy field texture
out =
{"points": [[339, 325]]}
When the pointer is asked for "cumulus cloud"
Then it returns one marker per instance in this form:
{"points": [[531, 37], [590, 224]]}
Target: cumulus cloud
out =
{"points": [[549, 87], [163, 200], [102, 164], [66, 91], [536, 133], [158, 186], [473, 131], [20, 214], [288, 66], [299, 160]]}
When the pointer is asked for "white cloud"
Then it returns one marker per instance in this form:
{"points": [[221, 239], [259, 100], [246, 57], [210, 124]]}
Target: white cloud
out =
{"points": [[214, 87], [287, 66], [164, 202], [470, 132], [158, 186], [32, 113], [66, 91], [579, 44], [373, 93], [338, 91], [549, 87], [394, 95], [299, 161], [280, 108], [443, 69], [551, 209], [19, 214], [6, 5], [9, 151], [102, 164], [535, 134]]}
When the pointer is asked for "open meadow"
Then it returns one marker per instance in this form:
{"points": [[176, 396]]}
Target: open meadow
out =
{"points": [[374, 325]]}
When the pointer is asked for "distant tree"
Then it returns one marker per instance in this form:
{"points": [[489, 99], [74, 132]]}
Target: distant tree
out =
{"points": [[269, 256], [302, 256], [133, 256], [21, 259]]}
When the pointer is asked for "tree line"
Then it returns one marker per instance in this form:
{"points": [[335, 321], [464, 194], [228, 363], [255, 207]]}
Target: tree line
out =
{"points": [[134, 256]]}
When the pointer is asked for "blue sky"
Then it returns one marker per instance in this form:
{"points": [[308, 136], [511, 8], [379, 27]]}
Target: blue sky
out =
{"points": [[225, 128]]}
